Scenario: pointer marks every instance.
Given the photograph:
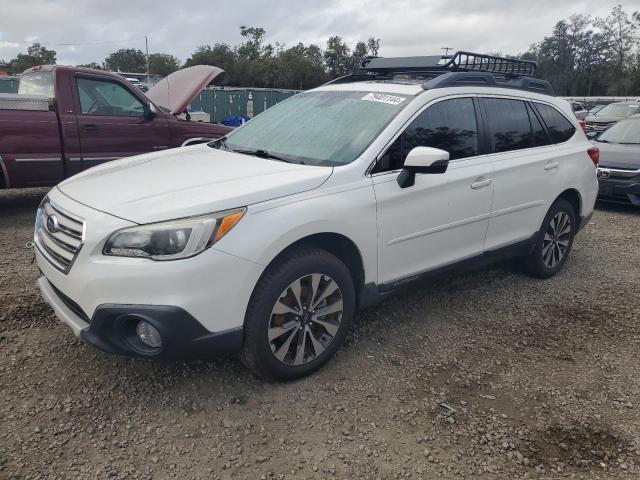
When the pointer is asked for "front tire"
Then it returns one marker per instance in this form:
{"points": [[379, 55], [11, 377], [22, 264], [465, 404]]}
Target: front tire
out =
{"points": [[554, 242], [298, 315]]}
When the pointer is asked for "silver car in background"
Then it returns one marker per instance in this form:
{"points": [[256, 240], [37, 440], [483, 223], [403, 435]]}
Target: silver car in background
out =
{"points": [[607, 116]]}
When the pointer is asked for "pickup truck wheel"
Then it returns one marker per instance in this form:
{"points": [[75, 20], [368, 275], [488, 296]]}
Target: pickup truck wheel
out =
{"points": [[299, 314], [554, 243]]}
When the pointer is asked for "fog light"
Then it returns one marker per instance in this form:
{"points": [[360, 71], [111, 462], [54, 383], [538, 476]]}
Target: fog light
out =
{"points": [[148, 334]]}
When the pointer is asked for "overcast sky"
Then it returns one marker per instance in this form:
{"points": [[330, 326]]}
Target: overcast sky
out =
{"points": [[406, 27]]}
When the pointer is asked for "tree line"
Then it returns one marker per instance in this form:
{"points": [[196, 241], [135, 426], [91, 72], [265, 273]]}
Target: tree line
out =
{"points": [[582, 56], [587, 56]]}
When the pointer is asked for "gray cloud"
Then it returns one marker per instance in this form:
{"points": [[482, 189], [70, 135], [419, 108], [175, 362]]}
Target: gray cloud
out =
{"points": [[405, 27]]}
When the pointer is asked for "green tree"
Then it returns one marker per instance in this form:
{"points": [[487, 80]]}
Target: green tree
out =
{"points": [[220, 55], [620, 30], [585, 56], [251, 48], [126, 60], [93, 65], [255, 63], [360, 51], [337, 57], [36, 55], [300, 67], [373, 46], [163, 64]]}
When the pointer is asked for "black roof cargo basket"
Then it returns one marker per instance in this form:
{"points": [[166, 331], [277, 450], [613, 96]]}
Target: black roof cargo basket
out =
{"points": [[461, 69], [459, 62]]}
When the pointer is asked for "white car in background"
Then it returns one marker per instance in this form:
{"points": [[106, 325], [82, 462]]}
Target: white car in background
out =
{"points": [[267, 241]]}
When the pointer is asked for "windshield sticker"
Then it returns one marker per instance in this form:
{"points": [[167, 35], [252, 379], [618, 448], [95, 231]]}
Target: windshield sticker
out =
{"points": [[382, 98]]}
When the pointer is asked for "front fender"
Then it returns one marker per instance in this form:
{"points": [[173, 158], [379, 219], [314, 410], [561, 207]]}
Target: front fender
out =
{"points": [[264, 233]]}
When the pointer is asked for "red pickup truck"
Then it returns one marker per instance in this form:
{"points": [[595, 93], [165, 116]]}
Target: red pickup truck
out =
{"points": [[67, 119]]}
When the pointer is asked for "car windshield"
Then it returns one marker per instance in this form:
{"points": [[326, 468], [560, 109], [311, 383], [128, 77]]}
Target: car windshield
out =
{"points": [[36, 83], [618, 110], [317, 128], [625, 131]]}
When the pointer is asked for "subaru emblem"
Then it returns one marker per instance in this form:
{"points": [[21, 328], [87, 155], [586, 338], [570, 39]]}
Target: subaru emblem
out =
{"points": [[52, 224]]}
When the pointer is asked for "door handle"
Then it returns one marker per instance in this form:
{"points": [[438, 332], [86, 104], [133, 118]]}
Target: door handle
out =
{"points": [[160, 147], [551, 166], [482, 183], [90, 128]]}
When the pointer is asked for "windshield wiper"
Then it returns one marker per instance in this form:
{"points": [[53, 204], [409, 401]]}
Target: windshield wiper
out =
{"points": [[220, 142], [265, 154]]}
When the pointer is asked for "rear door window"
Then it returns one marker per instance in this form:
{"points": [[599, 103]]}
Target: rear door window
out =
{"points": [[507, 124], [560, 129]]}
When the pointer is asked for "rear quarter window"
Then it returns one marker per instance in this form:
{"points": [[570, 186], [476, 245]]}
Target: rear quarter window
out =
{"points": [[560, 129]]}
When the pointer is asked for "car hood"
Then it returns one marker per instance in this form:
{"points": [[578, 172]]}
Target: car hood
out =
{"points": [[614, 155], [175, 92], [187, 181], [595, 118]]}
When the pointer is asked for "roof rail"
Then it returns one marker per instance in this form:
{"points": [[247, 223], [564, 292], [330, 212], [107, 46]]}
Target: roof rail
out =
{"points": [[481, 79], [460, 69]]}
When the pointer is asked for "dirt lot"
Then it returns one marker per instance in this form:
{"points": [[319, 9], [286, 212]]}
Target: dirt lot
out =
{"points": [[487, 375]]}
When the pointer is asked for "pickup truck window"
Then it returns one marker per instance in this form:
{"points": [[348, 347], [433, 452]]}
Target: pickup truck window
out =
{"points": [[104, 97], [320, 128], [36, 83]]}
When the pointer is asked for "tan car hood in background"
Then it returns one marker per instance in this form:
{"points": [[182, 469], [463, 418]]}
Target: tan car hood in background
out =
{"points": [[176, 91]]}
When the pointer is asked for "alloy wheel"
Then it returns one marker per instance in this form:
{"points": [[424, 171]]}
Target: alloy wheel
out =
{"points": [[556, 240], [305, 319]]}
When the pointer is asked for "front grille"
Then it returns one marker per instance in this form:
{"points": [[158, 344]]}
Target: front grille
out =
{"points": [[71, 305], [597, 125], [59, 235]]}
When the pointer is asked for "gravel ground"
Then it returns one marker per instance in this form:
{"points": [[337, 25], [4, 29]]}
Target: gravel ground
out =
{"points": [[489, 375]]}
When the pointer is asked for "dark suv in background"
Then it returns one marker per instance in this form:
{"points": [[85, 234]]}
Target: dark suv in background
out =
{"points": [[619, 169]]}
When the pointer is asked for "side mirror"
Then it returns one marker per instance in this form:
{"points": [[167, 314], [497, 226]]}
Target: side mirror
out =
{"points": [[422, 160], [150, 111]]}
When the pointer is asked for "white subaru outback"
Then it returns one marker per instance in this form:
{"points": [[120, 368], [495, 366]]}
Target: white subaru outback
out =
{"points": [[267, 241]]}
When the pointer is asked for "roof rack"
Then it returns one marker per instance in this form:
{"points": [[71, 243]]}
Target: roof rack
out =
{"points": [[461, 69]]}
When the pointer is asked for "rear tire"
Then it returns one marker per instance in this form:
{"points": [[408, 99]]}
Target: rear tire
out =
{"points": [[554, 241], [298, 315]]}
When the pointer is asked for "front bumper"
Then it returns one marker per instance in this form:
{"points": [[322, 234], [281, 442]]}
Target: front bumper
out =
{"points": [[197, 302], [619, 190], [112, 328]]}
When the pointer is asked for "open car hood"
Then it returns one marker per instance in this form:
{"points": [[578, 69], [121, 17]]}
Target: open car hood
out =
{"points": [[176, 91]]}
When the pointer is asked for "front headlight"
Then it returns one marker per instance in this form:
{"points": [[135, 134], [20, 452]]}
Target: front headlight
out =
{"points": [[174, 239]]}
